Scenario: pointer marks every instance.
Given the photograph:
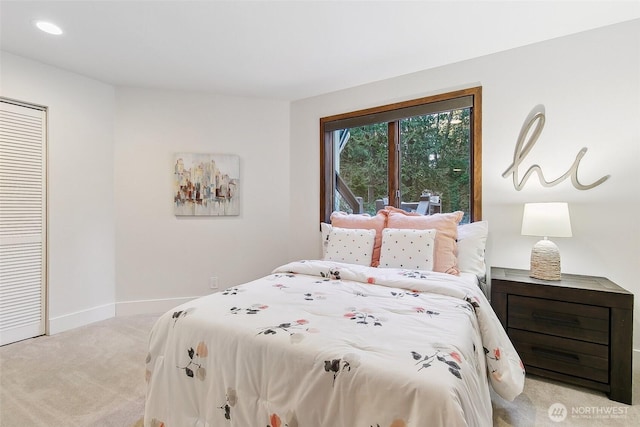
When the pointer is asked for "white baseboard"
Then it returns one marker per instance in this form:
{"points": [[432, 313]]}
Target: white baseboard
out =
{"points": [[81, 318], [151, 306]]}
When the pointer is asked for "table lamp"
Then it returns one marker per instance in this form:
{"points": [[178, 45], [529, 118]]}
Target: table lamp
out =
{"points": [[546, 220]]}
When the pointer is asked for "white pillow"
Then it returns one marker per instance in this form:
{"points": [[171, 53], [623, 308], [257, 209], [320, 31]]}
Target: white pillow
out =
{"points": [[350, 245], [472, 240], [325, 229], [407, 248]]}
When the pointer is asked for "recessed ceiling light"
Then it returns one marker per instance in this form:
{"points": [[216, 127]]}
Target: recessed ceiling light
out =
{"points": [[49, 27]]}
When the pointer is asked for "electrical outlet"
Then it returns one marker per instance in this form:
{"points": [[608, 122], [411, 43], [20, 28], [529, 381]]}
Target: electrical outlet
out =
{"points": [[213, 282]]}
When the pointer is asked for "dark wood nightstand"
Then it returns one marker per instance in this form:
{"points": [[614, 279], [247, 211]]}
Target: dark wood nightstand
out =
{"points": [[577, 330]]}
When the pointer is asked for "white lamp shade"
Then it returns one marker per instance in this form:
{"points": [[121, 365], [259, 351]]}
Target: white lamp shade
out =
{"points": [[546, 220]]}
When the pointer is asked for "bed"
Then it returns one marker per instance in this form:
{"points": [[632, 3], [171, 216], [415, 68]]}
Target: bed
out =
{"points": [[331, 343]]}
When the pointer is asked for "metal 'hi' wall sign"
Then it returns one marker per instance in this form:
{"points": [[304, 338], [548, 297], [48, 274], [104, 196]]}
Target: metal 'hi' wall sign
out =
{"points": [[536, 117]]}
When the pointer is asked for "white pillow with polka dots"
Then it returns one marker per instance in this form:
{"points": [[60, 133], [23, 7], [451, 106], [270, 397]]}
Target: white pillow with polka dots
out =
{"points": [[350, 245], [407, 248]]}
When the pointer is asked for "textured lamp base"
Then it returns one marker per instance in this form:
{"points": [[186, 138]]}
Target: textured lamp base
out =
{"points": [[545, 261]]}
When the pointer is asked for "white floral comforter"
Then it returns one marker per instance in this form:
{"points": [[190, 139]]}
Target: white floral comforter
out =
{"points": [[321, 343]]}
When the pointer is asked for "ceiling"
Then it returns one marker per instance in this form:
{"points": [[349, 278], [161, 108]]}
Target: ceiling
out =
{"points": [[284, 50]]}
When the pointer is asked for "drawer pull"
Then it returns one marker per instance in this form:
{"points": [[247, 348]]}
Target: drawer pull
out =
{"points": [[554, 318], [554, 354]]}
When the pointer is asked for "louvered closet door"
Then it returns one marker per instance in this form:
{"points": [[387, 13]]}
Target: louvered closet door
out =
{"points": [[22, 222]]}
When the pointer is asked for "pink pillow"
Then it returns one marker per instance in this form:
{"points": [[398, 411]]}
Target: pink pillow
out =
{"points": [[366, 221], [446, 224]]}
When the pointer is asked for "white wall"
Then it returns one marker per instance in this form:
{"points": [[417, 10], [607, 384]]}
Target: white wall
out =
{"points": [[156, 259], [162, 259], [590, 86], [80, 189]]}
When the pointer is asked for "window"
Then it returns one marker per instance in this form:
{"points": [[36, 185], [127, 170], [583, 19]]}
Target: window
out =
{"points": [[422, 155]]}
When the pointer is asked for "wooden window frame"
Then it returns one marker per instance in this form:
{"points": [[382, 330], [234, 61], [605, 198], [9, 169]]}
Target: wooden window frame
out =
{"points": [[328, 184]]}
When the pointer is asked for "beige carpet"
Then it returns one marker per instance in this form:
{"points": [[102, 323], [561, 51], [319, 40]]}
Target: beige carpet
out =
{"points": [[582, 407], [94, 376], [90, 376]]}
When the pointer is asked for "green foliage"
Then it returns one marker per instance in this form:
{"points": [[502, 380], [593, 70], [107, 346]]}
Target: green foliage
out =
{"points": [[434, 156], [363, 163]]}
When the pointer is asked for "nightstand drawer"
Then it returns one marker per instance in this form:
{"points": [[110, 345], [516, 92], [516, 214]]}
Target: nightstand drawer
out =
{"points": [[562, 319], [577, 329], [577, 358]]}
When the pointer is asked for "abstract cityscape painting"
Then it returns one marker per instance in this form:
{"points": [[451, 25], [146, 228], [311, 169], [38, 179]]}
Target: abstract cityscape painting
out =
{"points": [[206, 184]]}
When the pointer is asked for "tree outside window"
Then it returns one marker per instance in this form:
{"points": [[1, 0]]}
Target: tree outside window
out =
{"points": [[417, 155]]}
